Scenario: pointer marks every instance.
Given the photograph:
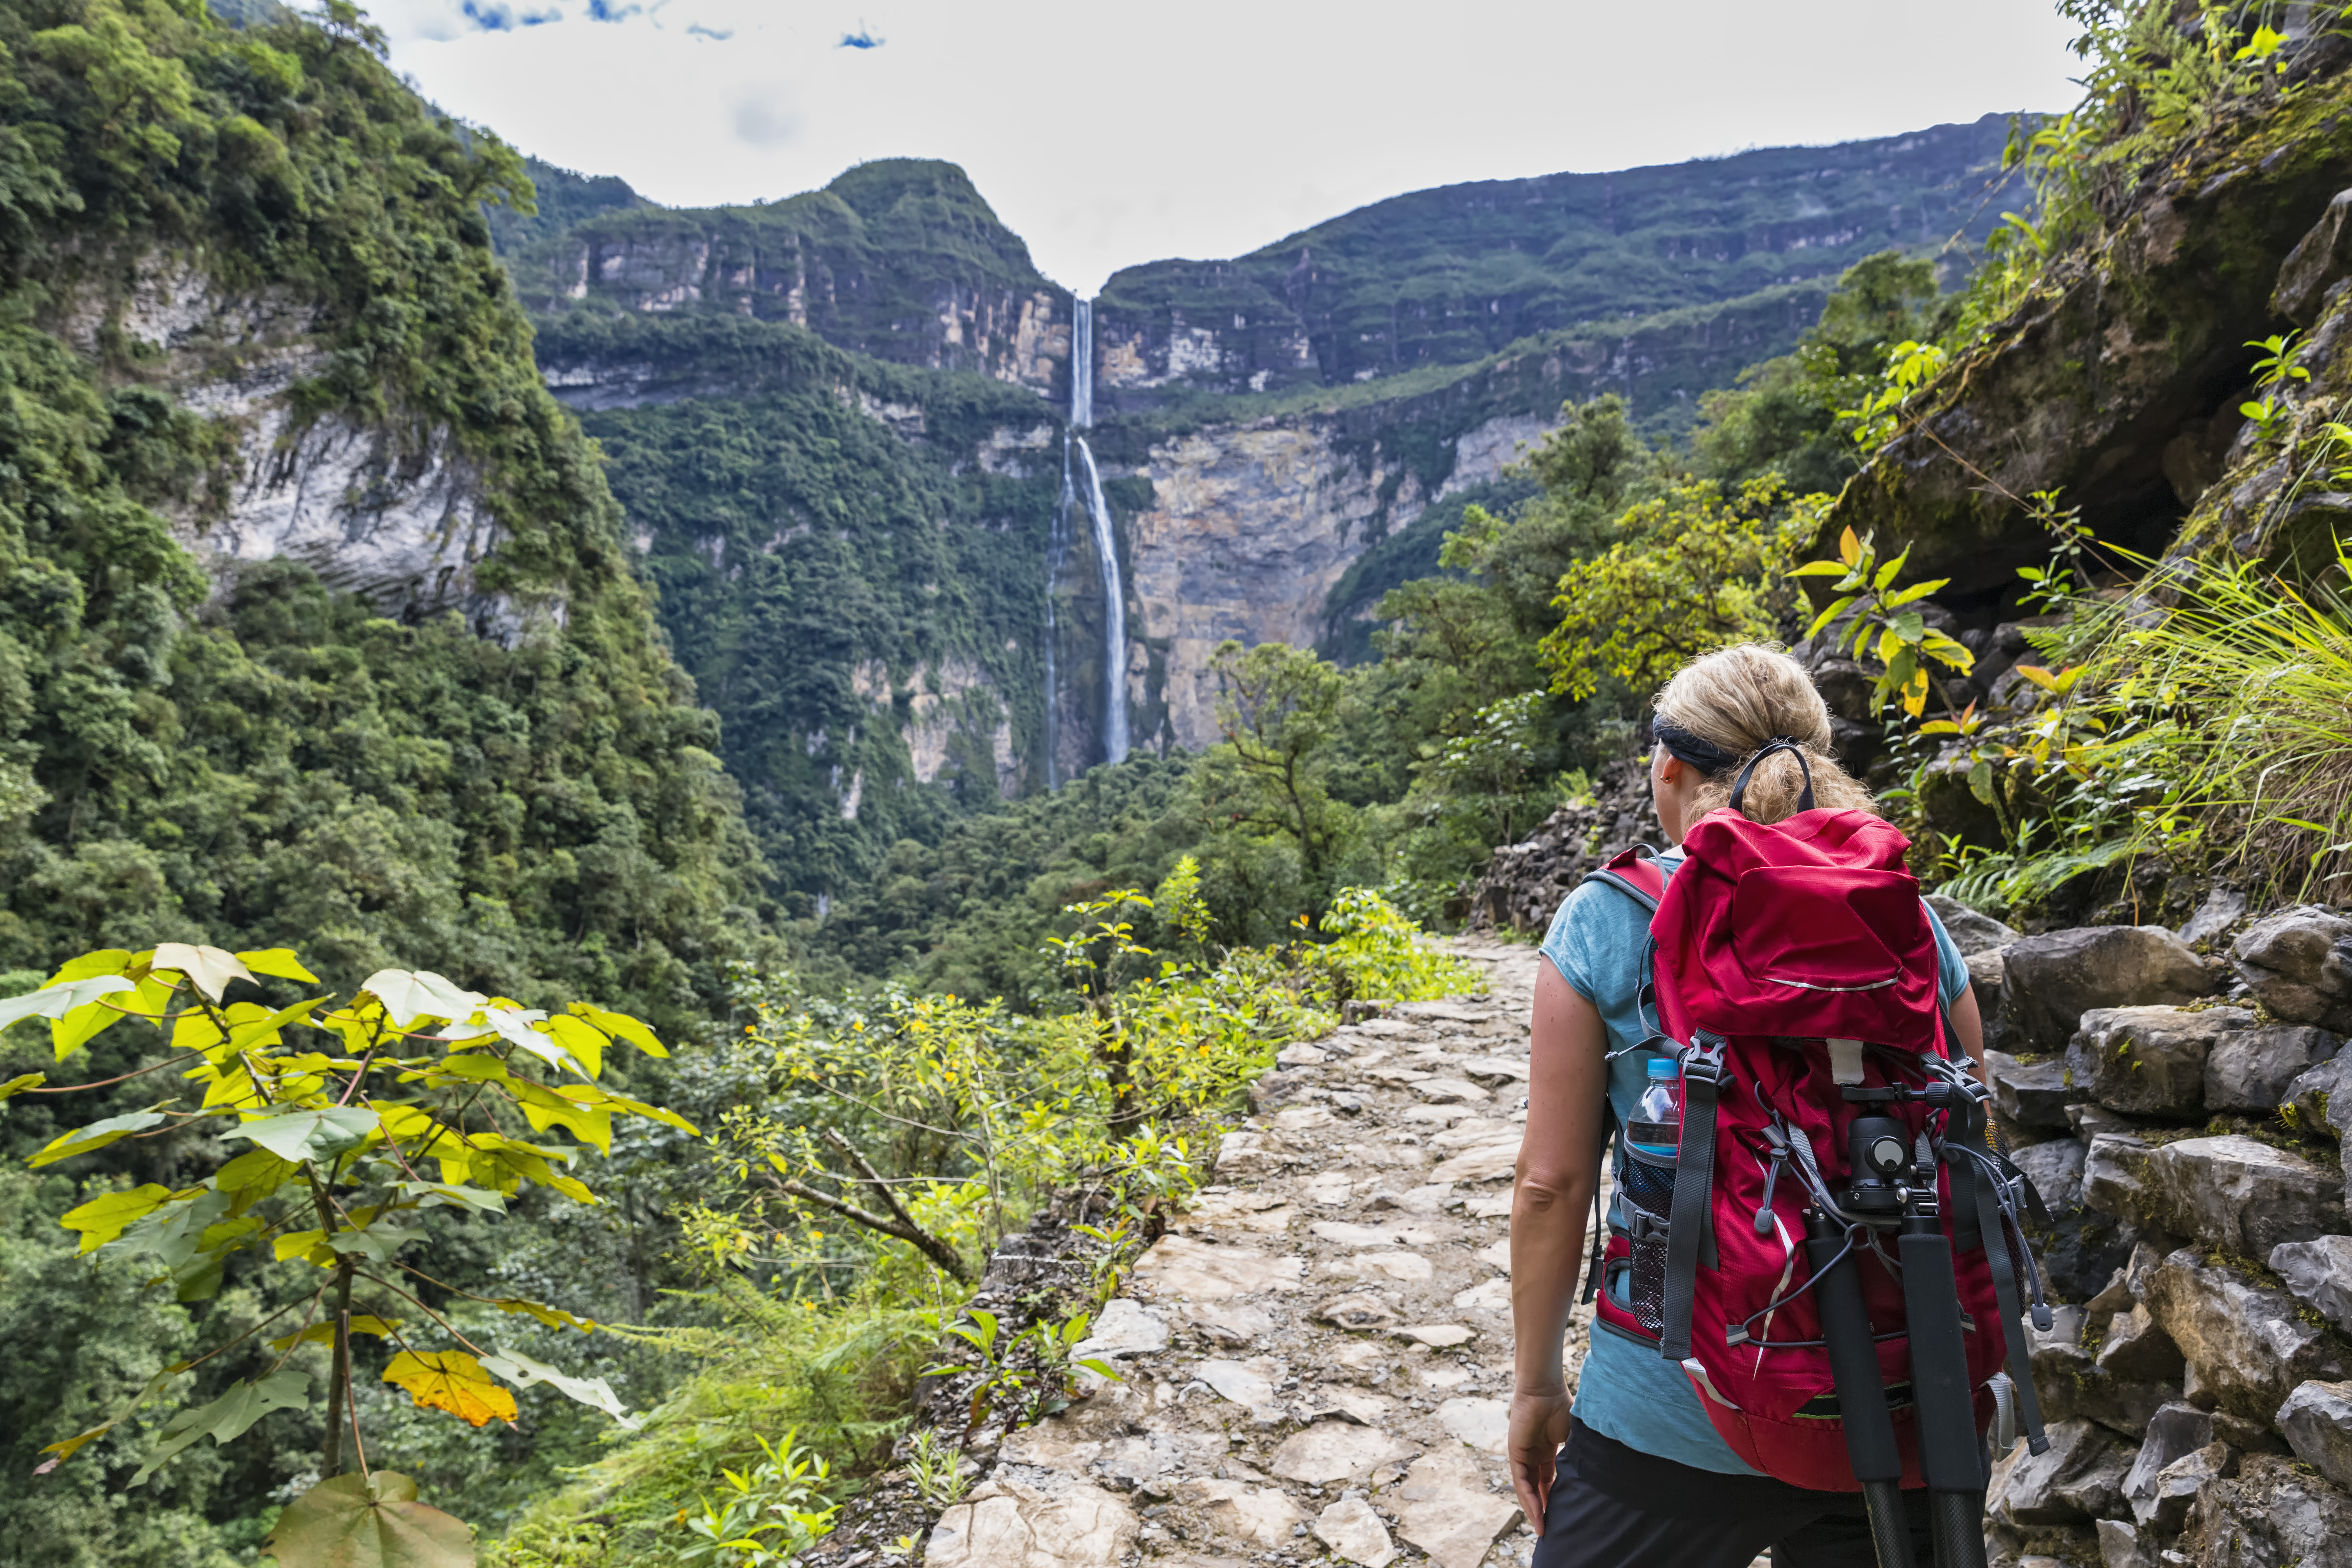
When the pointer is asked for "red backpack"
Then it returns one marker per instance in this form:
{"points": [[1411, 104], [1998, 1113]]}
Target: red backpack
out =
{"points": [[1829, 1133]]}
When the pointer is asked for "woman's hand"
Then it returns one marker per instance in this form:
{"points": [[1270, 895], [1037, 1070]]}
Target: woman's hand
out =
{"points": [[1538, 1426]]}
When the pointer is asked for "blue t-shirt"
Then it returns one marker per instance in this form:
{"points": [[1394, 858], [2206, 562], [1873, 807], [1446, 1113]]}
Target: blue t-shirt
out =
{"points": [[1624, 1389]]}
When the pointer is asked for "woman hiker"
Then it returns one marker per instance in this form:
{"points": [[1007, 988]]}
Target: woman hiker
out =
{"points": [[1632, 1474]]}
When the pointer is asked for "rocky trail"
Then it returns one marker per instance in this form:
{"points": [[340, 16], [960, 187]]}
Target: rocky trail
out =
{"points": [[1317, 1358]]}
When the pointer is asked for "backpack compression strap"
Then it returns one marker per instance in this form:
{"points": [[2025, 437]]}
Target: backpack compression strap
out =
{"points": [[1635, 874], [1704, 1074]]}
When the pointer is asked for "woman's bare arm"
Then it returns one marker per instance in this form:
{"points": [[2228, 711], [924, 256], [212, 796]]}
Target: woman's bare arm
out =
{"points": [[1559, 1167]]}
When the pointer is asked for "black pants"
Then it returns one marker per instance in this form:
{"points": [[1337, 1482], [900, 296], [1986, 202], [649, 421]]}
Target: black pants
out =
{"points": [[1616, 1507]]}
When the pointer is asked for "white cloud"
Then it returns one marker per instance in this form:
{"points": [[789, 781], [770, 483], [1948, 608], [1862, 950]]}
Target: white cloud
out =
{"points": [[1107, 136]]}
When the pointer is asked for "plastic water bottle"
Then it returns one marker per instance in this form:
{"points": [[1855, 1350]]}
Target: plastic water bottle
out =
{"points": [[1657, 1124]]}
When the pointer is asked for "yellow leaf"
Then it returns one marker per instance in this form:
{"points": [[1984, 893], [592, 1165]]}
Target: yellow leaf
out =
{"points": [[279, 962], [324, 1333], [1915, 693], [621, 1027], [255, 1167], [102, 1219], [237, 1089], [310, 1246], [19, 1084], [581, 1038], [2039, 676], [553, 1317], [451, 1381], [1889, 645], [1849, 547]]}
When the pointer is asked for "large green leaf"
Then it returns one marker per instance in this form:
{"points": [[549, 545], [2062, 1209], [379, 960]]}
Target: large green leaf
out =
{"points": [[301, 1135], [57, 1001], [96, 1135], [362, 1522], [227, 1417]]}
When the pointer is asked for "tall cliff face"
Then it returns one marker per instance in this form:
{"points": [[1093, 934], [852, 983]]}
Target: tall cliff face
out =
{"points": [[900, 260], [1449, 275], [321, 625]]}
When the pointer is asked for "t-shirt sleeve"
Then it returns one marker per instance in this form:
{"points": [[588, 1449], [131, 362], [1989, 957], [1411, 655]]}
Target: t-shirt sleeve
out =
{"points": [[1569, 942], [1951, 969]]}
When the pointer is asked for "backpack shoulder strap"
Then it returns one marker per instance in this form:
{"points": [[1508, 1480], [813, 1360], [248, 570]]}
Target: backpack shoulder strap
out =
{"points": [[1636, 875]]}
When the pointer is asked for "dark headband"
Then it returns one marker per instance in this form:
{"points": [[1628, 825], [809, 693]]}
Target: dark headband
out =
{"points": [[1704, 755]]}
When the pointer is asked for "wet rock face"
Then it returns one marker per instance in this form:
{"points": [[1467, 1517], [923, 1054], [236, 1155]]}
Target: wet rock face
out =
{"points": [[1317, 1356], [2050, 981], [2091, 388]]}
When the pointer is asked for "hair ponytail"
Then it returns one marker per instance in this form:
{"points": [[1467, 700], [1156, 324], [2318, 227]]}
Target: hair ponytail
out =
{"points": [[1739, 700]]}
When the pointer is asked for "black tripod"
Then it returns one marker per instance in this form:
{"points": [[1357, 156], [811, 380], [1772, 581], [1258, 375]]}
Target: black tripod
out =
{"points": [[1894, 1187]]}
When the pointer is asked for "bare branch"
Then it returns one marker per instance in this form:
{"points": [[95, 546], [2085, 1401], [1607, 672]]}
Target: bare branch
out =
{"points": [[907, 1231]]}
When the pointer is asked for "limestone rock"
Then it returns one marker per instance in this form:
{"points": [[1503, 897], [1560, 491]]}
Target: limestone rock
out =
{"points": [[2122, 1546], [1301, 1056], [2271, 1514], [1347, 1234], [2079, 1477], [1336, 1451], [2320, 1273], [1447, 1090], [1353, 1531], [2318, 1103], [1125, 1327], [1481, 1423], [2055, 1169], [1246, 1154], [1970, 931], [2179, 1484], [2032, 1094], [1988, 972], [1180, 1265], [2136, 1350], [2174, 1431], [2299, 963], [2319, 260], [2251, 1070], [2115, 1175], [2149, 1061], [1227, 1322], [2060, 1360], [1490, 1162], [2247, 1342], [2240, 1195], [2050, 981], [1448, 1511], [2220, 911], [1244, 1382], [1437, 1336], [1491, 1296], [1408, 1267], [1006, 1524], [2316, 1421], [1262, 1515]]}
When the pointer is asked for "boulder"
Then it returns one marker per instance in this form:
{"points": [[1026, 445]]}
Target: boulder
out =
{"points": [[2298, 963], [1986, 972], [2321, 259], [2247, 1342], [2174, 1431], [2136, 1350], [2149, 1061], [2220, 911], [2115, 1176], [1970, 931], [2318, 1103], [2055, 1169], [2319, 1273], [2060, 1360], [2032, 1094], [2179, 1484], [2252, 1069], [2271, 1513], [2123, 1545], [2316, 1421], [2049, 982], [2079, 1477], [2239, 1195]]}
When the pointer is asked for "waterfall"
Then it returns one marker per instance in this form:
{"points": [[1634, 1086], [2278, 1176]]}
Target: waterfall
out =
{"points": [[1114, 617], [1082, 417]]}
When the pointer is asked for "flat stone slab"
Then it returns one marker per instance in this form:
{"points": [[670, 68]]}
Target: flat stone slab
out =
{"points": [[1437, 1336], [1336, 1451], [1354, 1533], [1491, 1162], [1180, 1265], [1481, 1423], [1007, 1524]]}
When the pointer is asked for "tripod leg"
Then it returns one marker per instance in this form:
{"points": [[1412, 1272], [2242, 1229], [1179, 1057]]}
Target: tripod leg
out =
{"points": [[1861, 1390], [1951, 1456]]}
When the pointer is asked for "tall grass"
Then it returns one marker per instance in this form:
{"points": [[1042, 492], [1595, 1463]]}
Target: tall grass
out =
{"points": [[2256, 673]]}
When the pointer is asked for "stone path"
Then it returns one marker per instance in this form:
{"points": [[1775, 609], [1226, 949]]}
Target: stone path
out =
{"points": [[1318, 1358]]}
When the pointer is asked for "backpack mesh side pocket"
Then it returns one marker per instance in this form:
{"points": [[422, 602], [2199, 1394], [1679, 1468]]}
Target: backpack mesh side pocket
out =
{"points": [[1645, 1188]]}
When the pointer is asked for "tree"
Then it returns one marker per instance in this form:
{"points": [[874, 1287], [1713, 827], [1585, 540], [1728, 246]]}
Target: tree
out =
{"points": [[410, 1078], [1278, 706]]}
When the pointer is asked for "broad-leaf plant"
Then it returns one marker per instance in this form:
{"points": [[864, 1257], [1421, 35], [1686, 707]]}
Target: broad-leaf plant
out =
{"points": [[340, 1123]]}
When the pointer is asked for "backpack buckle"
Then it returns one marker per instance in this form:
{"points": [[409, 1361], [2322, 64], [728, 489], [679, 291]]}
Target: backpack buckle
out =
{"points": [[1702, 1059]]}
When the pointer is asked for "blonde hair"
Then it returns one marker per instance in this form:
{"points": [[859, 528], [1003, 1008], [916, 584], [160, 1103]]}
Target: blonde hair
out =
{"points": [[1742, 698]]}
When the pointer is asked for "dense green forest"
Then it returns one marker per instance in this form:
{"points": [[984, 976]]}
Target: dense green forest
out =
{"points": [[735, 733]]}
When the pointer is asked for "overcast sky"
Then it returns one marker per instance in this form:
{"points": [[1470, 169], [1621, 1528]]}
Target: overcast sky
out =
{"points": [[1110, 134]]}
